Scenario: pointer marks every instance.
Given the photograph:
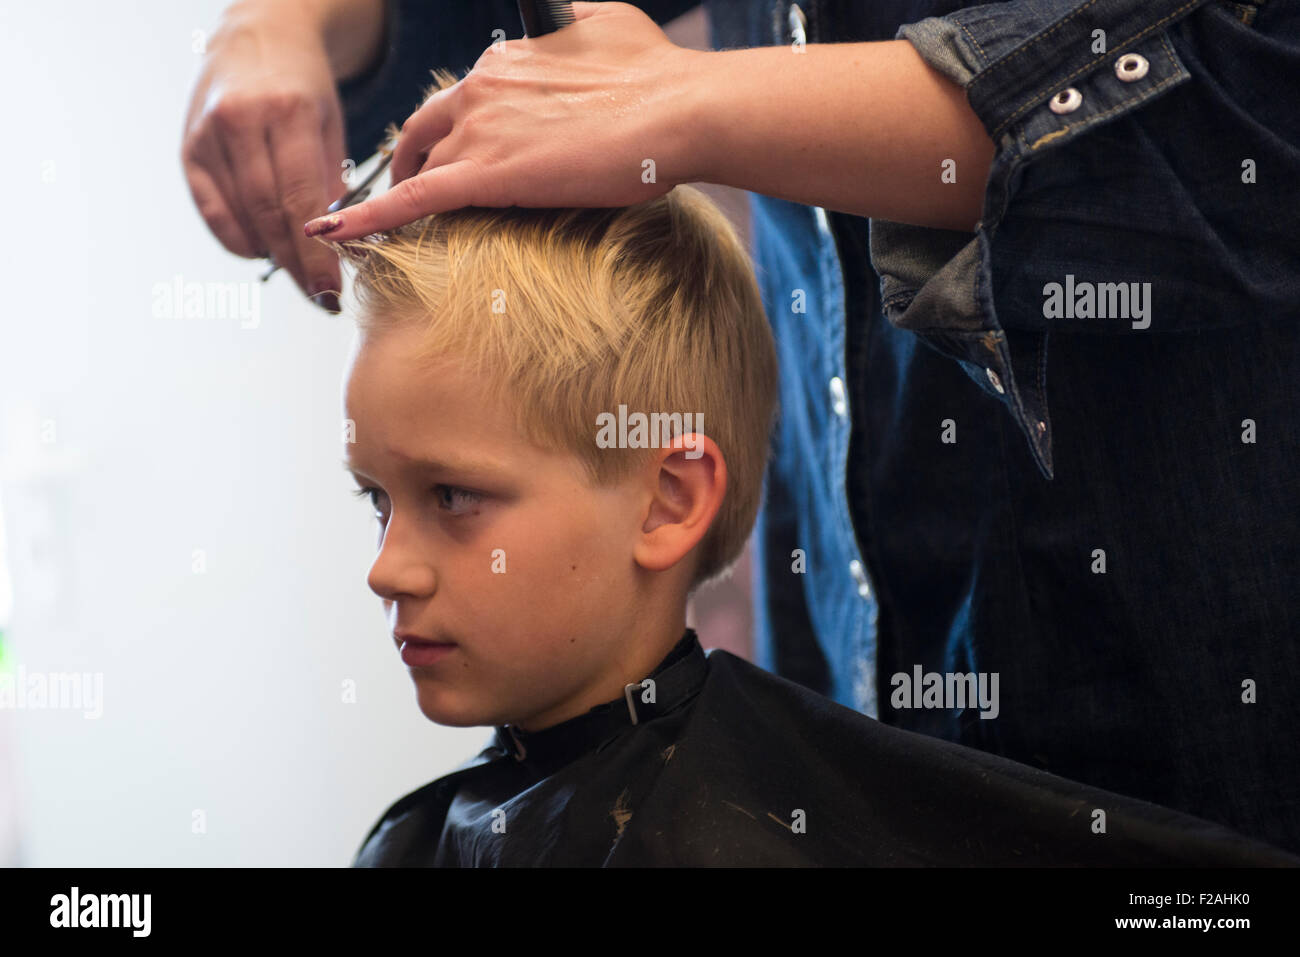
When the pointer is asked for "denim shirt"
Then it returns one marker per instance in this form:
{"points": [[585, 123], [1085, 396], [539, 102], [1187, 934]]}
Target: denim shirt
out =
{"points": [[1109, 525]]}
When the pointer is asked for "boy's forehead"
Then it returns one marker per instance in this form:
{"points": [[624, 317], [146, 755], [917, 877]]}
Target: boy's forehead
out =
{"points": [[418, 414], [395, 350], [433, 443], [385, 375]]}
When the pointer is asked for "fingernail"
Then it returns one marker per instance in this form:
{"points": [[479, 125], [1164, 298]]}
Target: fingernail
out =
{"points": [[323, 224], [327, 300]]}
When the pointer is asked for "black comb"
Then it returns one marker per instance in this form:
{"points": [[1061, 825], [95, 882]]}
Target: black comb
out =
{"points": [[544, 16]]}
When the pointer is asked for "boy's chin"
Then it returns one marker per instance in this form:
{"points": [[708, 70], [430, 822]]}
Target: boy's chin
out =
{"points": [[453, 714]]}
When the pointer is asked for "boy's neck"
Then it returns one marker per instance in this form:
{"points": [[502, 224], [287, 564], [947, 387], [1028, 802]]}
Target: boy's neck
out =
{"points": [[638, 649]]}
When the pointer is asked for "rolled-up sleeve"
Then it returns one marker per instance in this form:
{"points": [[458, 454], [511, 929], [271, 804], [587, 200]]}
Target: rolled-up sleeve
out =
{"points": [[1012, 58], [1103, 184]]}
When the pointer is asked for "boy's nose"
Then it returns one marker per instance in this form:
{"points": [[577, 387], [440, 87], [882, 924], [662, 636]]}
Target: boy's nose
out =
{"points": [[401, 568]]}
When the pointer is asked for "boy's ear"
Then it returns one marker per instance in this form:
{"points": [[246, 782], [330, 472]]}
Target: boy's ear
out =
{"points": [[687, 481]]}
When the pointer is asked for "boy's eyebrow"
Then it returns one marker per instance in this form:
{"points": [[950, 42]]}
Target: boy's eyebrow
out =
{"points": [[484, 468]]}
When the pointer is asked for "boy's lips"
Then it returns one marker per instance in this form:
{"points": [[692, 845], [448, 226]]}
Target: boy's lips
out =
{"points": [[403, 636], [417, 639], [418, 651]]}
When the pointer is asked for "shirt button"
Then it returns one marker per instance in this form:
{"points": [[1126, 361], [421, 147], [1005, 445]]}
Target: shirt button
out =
{"points": [[996, 381], [798, 24], [823, 223], [839, 401], [1131, 66], [1067, 101], [860, 576]]}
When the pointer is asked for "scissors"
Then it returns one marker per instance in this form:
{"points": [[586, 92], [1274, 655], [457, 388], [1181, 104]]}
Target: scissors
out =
{"points": [[538, 16], [353, 196]]}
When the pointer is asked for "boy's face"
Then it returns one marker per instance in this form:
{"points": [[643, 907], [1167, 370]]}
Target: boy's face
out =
{"points": [[489, 543]]}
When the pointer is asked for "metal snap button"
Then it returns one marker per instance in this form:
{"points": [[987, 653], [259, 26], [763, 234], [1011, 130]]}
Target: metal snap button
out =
{"points": [[839, 399], [823, 221], [797, 23], [860, 576], [1067, 101], [996, 381], [1131, 66]]}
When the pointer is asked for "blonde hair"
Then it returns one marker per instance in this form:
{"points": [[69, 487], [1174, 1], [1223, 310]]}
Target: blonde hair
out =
{"points": [[569, 313]]}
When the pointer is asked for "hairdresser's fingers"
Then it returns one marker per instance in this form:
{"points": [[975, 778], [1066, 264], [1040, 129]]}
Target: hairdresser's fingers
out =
{"points": [[248, 145], [422, 129], [436, 117], [212, 188], [297, 144], [433, 191]]}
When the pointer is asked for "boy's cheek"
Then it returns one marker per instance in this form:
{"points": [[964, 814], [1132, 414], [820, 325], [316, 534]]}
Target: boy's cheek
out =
{"points": [[540, 561]]}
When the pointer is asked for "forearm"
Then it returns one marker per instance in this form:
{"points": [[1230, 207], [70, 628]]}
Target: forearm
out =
{"points": [[352, 30], [863, 128]]}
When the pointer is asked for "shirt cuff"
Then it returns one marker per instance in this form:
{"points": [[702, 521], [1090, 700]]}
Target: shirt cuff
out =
{"points": [[1018, 61]]}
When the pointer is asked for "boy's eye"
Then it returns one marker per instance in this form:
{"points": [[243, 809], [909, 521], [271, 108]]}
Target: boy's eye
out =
{"points": [[453, 499], [456, 500]]}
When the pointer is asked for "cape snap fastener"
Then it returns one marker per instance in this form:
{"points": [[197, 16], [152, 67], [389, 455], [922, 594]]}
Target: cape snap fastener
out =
{"points": [[995, 380], [1067, 101], [1131, 66]]}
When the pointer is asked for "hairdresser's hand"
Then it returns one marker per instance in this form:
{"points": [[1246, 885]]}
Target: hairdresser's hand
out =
{"points": [[580, 117], [263, 141]]}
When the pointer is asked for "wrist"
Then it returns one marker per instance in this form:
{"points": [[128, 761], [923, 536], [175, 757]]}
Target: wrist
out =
{"points": [[696, 112], [302, 15], [724, 102], [351, 32]]}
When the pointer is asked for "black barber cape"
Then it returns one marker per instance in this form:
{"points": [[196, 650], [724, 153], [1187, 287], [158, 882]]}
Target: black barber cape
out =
{"points": [[732, 765]]}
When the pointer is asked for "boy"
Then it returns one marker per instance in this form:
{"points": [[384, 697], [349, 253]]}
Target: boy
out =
{"points": [[562, 419]]}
